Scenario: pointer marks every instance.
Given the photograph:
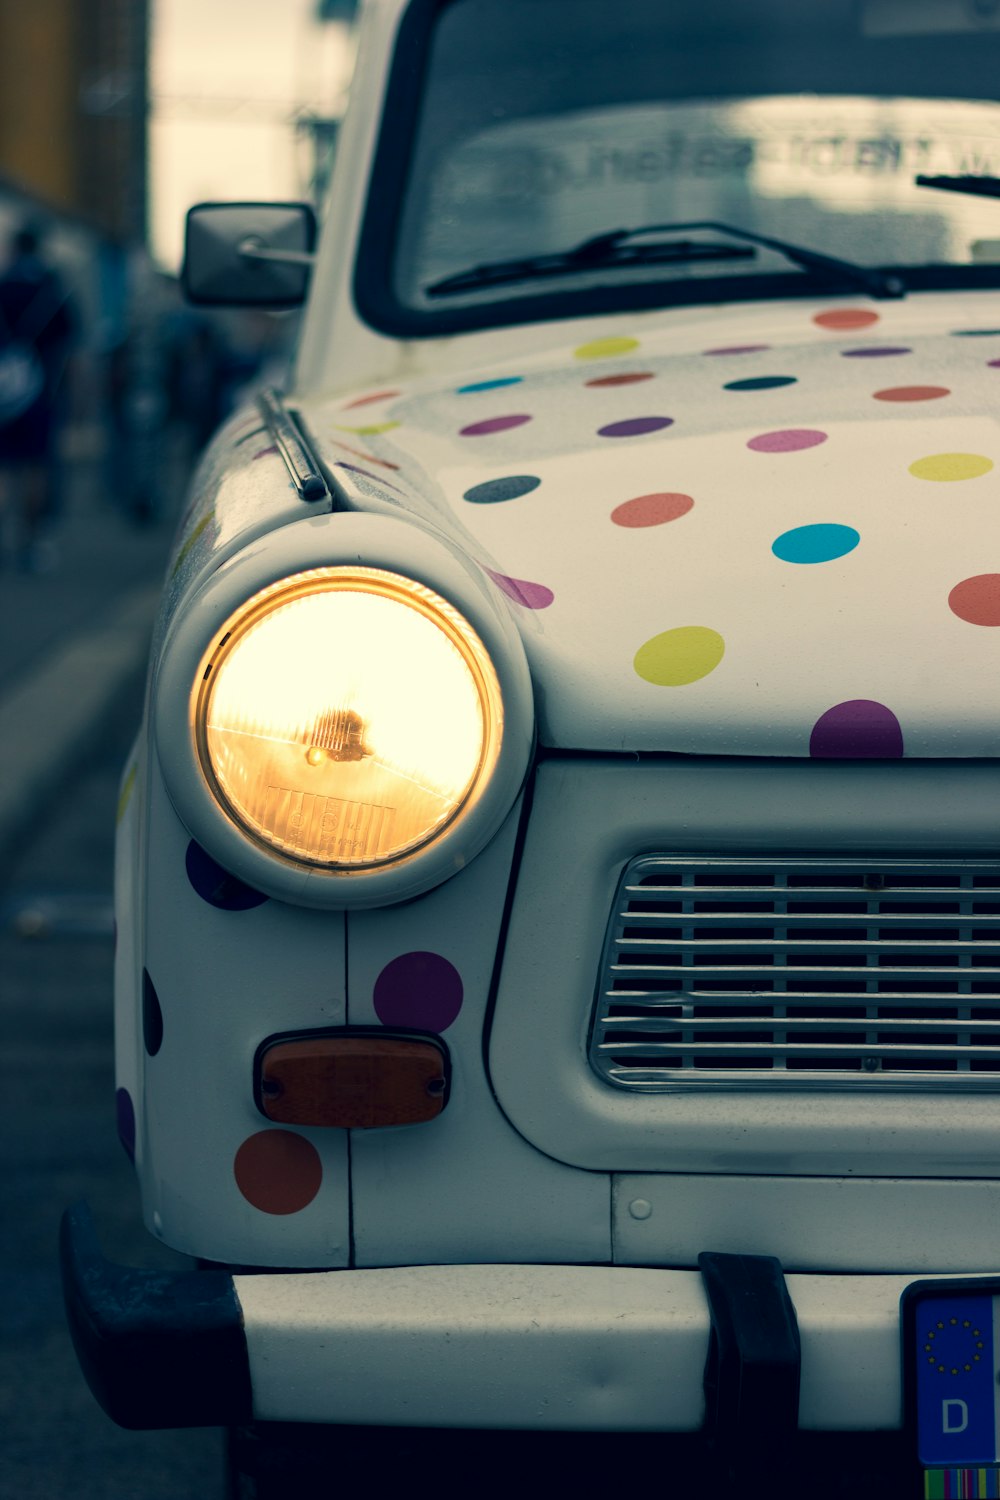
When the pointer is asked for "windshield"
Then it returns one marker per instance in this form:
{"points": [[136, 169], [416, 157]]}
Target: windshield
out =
{"points": [[541, 123]]}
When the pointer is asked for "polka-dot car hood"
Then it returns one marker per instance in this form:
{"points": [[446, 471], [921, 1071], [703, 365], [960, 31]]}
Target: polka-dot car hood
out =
{"points": [[773, 533]]}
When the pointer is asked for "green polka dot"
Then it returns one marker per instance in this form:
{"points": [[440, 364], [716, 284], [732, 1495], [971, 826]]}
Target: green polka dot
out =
{"points": [[947, 466], [605, 348], [676, 657]]}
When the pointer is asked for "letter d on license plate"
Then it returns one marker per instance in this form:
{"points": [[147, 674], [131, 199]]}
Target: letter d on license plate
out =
{"points": [[951, 1343]]}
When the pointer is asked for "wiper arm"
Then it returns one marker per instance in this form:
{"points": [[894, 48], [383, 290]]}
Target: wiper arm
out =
{"points": [[869, 278], [589, 256], [615, 250], [983, 187]]}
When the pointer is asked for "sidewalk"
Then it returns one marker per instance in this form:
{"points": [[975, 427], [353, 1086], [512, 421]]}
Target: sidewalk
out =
{"points": [[71, 638]]}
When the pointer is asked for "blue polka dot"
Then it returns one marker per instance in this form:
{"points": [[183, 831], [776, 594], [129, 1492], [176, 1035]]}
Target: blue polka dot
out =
{"points": [[511, 487], [815, 544], [490, 385], [215, 885], [760, 383]]}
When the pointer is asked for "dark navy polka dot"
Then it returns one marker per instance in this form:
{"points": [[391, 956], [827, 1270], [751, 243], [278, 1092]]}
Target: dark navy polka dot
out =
{"points": [[125, 1118], [759, 383], [215, 885], [511, 487], [152, 1016]]}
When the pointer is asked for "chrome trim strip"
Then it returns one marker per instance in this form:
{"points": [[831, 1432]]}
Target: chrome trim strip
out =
{"points": [[295, 452]]}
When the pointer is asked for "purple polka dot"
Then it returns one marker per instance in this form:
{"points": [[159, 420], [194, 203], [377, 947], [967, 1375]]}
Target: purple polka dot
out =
{"points": [[215, 885], [125, 1118], [152, 1016], [876, 353], [635, 427], [531, 595], [740, 349], [495, 424], [787, 440], [367, 474], [859, 729], [994, 364], [422, 990]]}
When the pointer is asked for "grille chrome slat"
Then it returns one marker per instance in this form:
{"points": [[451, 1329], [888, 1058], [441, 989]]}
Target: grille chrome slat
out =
{"points": [[801, 973]]}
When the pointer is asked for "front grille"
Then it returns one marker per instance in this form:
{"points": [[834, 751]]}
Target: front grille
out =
{"points": [[801, 973]]}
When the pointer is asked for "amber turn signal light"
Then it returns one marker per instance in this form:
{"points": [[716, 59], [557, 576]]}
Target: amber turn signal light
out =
{"points": [[351, 1079]]}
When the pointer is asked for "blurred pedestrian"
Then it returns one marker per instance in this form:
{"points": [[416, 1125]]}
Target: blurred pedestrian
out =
{"points": [[37, 330]]}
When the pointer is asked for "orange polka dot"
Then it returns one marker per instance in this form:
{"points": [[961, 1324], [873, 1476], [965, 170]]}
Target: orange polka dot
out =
{"points": [[912, 393], [278, 1171], [651, 510], [846, 317]]}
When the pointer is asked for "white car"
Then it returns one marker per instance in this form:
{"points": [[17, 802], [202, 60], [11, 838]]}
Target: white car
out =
{"points": [[558, 978]]}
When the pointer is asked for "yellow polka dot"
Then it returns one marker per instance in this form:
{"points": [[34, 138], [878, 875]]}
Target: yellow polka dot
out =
{"points": [[947, 466], [606, 348], [676, 657], [371, 430]]}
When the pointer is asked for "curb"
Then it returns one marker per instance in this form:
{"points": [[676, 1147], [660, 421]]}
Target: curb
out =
{"points": [[53, 714]]}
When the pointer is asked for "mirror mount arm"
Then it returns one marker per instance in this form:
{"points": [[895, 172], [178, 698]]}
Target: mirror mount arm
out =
{"points": [[253, 249]]}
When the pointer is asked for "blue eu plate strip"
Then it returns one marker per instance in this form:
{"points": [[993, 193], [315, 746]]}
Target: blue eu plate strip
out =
{"points": [[956, 1383]]}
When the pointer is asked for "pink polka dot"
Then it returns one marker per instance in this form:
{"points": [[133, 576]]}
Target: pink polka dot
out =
{"points": [[787, 440], [651, 510], [977, 600], [846, 317], [495, 424], [264, 453], [419, 989], [367, 400], [531, 595]]}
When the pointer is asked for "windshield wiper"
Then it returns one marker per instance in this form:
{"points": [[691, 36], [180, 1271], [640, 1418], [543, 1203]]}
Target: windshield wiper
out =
{"points": [[582, 258], [616, 250], [983, 187]]}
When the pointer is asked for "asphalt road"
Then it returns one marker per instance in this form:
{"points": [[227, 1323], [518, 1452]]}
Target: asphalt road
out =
{"points": [[58, 1144]]}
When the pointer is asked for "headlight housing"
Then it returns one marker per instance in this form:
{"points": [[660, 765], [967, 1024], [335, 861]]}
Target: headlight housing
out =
{"points": [[346, 717], [342, 711]]}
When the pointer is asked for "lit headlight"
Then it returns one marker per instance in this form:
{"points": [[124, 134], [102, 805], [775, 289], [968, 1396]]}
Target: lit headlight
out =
{"points": [[346, 717]]}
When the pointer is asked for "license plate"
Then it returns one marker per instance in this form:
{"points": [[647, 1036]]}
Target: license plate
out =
{"points": [[951, 1360]]}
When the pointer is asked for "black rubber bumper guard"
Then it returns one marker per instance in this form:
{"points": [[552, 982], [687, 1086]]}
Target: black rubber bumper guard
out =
{"points": [[167, 1349], [158, 1348]]}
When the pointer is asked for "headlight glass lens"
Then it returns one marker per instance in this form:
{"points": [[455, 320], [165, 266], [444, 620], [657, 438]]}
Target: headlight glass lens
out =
{"points": [[346, 716]]}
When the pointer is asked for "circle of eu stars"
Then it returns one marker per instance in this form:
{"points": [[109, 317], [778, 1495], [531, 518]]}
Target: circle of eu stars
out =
{"points": [[954, 1347]]}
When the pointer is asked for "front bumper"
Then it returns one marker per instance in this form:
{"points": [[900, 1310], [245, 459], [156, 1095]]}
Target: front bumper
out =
{"points": [[532, 1347]]}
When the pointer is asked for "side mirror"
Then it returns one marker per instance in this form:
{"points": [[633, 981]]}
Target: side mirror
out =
{"points": [[248, 254]]}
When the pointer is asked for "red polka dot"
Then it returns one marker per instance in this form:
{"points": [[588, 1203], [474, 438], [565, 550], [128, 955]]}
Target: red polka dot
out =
{"points": [[977, 600], [278, 1171], [625, 379], [846, 317], [912, 393], [651, 510]]}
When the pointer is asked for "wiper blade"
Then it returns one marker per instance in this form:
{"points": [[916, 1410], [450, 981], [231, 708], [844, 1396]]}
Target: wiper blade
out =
{"points": [[584, 258], [983, 187], [615, 250], [870, 279]]}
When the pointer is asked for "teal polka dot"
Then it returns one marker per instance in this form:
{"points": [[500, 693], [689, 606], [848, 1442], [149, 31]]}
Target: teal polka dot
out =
{"points": [[815, 544], [490, 385]]}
